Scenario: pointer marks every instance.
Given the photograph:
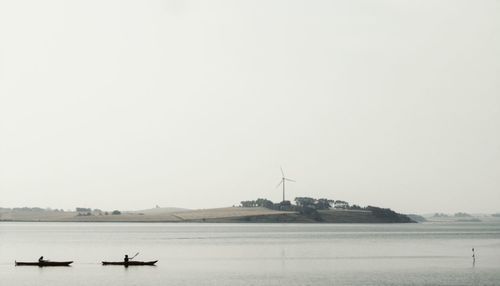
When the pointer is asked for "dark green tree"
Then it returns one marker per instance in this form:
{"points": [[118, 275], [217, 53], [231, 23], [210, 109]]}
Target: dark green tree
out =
{"points": [[324, 204]]}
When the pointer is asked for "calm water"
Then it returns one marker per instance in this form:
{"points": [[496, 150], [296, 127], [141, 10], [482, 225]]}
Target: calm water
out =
{"points": [[254, 254]]}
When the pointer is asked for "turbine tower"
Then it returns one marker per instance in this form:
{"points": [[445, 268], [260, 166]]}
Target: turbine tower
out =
{"points": [[282, 182]]}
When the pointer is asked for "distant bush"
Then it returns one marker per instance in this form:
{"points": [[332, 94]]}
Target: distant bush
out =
{"points": [[339, 204], [355, 207], [116, 212], [462, 215], [84, 214], [440, 215], [317, 204]]}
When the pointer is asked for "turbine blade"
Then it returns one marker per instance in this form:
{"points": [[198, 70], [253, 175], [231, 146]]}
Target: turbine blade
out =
{"points": [[290, 180], [282, 172], [281, 182]]}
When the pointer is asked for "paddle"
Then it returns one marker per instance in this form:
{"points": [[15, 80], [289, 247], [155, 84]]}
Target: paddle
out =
{"points": [[134, 256]]}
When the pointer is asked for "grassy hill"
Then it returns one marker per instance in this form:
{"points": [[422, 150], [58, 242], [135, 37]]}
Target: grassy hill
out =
{"points": [[226, 215]]}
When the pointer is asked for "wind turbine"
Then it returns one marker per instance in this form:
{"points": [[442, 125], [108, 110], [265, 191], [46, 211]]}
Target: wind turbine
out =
{"points": [[282, 182]]}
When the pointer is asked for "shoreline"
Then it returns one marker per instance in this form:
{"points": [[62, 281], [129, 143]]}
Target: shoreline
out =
{"points": [[218, 215]]}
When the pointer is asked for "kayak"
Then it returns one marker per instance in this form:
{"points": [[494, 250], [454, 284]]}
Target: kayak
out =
{"points": [[44, 263], [130, 263]]}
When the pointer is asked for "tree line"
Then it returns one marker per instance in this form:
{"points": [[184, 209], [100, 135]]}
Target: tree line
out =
{"points": [[311, 208], [301, 203]]}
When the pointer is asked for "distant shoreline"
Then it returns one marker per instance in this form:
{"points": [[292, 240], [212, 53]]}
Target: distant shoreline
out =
{"points": [[217, 215]]}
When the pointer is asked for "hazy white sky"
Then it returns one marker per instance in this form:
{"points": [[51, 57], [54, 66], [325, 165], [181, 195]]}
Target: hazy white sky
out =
{"points": [[129, 104]]}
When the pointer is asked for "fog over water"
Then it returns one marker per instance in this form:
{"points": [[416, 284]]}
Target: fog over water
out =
{"points": [[197, 104]]}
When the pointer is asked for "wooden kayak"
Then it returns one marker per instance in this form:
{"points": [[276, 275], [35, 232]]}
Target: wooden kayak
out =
{"points": [[44, 263], [131, 263]]}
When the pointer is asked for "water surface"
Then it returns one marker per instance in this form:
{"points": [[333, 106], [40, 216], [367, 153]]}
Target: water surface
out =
{"points": [[254, 254]]}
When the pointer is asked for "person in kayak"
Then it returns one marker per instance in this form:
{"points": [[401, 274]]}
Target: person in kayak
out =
{"points": [[126, 258]]}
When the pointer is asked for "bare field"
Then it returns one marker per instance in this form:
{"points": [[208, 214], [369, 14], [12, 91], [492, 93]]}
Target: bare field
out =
{"points": [[169, 215]]}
